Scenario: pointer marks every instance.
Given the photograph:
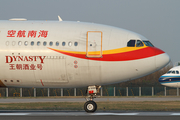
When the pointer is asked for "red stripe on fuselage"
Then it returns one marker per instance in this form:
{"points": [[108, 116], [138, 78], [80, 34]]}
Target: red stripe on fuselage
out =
{"points": [[125, 56]]}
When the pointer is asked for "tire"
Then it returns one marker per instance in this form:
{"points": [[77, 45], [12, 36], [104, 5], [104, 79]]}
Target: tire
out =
{"points": [[90, 106]]}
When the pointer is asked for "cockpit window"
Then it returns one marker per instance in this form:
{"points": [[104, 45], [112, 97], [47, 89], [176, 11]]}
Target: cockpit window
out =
{"points": [[131, 43], [139, 43], [173, 72], [147, 43]]}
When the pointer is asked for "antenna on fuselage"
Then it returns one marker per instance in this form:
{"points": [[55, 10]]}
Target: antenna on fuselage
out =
{"points": [[59, 18]]}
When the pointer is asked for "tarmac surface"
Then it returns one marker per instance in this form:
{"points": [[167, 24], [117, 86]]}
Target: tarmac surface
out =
{"points": [[26, 100], [67, 115], [81, 115]]}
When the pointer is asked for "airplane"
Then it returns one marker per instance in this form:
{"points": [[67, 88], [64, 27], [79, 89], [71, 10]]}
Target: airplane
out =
{"points": [[66, 54], [171, 78]]}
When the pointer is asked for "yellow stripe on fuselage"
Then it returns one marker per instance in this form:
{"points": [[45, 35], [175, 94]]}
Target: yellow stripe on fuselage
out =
{"points": [[105, 52]]}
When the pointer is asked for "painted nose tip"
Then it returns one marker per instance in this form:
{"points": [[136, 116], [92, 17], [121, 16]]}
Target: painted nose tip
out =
{"points": [[162, 60], [160, 79]]}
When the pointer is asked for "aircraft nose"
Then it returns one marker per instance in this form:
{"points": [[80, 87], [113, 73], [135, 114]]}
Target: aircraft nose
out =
{"points": [[161, 79], [162, 60]]}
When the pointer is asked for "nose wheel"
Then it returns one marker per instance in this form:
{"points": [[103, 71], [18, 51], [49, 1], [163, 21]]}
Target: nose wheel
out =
{"points": [[90, 106]]}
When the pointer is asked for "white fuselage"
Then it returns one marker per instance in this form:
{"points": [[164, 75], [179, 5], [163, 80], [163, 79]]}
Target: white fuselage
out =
{"points": [[72, 54]]}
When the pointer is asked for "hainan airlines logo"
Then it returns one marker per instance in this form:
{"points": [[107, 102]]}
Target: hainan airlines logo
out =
{"points": [[31, 33], [12, 66]]}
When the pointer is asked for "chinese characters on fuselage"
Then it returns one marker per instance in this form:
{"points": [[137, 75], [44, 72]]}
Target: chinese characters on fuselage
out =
{"points": [[31, 66], [28, 34], [25, 66]]}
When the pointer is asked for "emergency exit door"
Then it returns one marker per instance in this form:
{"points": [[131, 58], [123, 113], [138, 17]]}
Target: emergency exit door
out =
{"points": [[94, 44]]}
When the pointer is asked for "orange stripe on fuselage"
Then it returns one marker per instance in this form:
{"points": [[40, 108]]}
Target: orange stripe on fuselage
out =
{"points": [[121, 54], [113, 51]]}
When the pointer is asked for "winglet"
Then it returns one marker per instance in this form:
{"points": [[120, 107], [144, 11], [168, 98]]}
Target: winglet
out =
{"points": [[59, 18]]}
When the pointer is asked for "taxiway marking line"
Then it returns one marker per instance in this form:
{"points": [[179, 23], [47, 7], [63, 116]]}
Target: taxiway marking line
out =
{"points": [[175, 114], [115, 114], [13, 114]]}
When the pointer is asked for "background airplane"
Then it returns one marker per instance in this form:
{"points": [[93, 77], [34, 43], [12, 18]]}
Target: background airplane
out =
{"points": [[62, 54], [171, 78]]}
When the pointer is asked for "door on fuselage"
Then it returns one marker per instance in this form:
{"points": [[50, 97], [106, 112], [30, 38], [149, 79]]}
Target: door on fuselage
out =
{"points": [[94, 44]]}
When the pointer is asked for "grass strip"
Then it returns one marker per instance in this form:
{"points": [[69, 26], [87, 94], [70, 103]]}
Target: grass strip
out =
{"points": [[128, 105]]}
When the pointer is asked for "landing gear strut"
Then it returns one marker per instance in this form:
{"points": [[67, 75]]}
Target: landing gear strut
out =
{"points": [[90, 105]]}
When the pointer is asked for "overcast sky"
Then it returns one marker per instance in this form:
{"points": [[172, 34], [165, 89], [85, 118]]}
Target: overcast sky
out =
{"points": [[157, 20]]}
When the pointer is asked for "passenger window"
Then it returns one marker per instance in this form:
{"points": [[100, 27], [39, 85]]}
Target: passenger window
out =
{"points": [[177, 72], [26, 43], [70, 44], [19, 43], [50, 43], [13, 43], [44, 43], [139, 43], [7, 43], [38, 43], [63, 43], [173, 72], [131, 43], [75, 43], [57, 43], [32, 43]]}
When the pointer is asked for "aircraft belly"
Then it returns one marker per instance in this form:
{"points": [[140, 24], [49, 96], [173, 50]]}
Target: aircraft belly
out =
{"points": [[54, 72], [83, 72], [172, 84], [69, 72], [15, 73], [90, 75], [116, 72]]}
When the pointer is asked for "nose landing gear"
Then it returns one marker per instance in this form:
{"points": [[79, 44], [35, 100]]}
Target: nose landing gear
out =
{"points": [[90, 106]]}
